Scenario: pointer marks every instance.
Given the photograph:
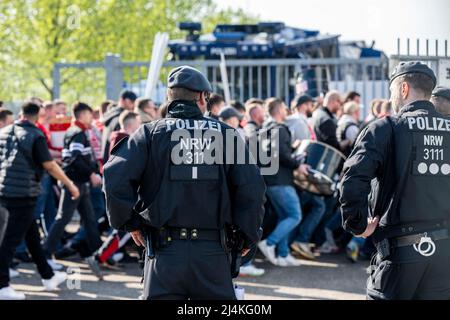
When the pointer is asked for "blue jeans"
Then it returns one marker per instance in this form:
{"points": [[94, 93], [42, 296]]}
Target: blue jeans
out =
{"points": [[45, 207], [98, 204], [287, 206], [311, 221]]}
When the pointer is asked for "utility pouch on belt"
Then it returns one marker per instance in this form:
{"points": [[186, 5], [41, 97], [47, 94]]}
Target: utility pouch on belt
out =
{"points": [[383, 248]]}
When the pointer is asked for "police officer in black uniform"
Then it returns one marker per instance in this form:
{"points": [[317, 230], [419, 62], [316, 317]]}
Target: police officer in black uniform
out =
{"points": [[161, 187], [404, 161]]}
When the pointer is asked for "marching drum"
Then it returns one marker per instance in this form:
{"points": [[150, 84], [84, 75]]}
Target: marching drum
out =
{"points": [[325, 161]]}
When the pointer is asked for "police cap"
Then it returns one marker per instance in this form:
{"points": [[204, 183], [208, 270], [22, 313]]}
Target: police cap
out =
{"points": [[442, 92], [188, 78], [412, 67]]}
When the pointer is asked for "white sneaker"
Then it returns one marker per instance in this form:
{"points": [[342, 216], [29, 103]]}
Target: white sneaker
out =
{"points": [[54, 265], [55, 281], [268, 251], [288, 261], [8, 293], [250, 271], [13, 273]]}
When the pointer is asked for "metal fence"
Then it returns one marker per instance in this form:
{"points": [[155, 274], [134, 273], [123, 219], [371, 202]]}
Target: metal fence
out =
{"points": [[248, 78], [434, 53]]}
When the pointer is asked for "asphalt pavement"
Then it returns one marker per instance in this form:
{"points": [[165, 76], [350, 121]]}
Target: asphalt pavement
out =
{"points": [[330, 277]]}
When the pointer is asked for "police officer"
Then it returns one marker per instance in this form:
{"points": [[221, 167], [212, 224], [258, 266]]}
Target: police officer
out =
{"points": [[162, 187], [441, 100], [406, 159]]}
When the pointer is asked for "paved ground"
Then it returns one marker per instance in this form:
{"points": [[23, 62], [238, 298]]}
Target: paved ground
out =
{"points": [[331, 277]]}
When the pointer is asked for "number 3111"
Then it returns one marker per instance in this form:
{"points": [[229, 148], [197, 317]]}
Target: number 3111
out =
{"points": [[434, 154]]}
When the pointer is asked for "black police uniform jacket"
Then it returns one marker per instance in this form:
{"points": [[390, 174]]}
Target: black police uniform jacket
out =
{"points": [[140, 177], [406, 161]]}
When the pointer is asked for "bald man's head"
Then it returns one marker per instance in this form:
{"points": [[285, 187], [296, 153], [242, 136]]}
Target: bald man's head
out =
{"points": [[333, 101]]}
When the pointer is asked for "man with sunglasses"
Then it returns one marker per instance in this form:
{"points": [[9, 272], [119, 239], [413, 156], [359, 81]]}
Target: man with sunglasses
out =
{"points": [[162, 186]]}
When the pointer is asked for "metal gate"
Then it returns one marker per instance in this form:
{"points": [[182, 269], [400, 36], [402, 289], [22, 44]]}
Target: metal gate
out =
{"points": [[247, 78], [434, 53]]}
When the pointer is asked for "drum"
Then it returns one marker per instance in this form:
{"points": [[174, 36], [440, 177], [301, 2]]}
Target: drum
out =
{"points": [[325, 162]]}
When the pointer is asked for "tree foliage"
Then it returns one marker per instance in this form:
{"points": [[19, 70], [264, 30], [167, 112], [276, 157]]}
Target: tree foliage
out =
{"points": [[35, 34]]}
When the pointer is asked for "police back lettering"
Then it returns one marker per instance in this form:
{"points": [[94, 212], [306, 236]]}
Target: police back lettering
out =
{"points": [[190, 124], [431, 139]]}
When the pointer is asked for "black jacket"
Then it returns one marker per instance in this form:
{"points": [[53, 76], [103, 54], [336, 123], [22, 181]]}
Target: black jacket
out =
{"points": [[325, 125], [111, 124], [406, 158], [20, 175], [78, 158], [287, 163], [143, 175]]}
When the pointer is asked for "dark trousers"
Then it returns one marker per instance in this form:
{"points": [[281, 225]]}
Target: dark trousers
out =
{"points": [[406, 275], [66, 210], [189, 269], [22, 225], [3, 222]]}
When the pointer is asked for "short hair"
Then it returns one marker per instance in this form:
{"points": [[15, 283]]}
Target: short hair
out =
{"points": [[419, 82], [441, 104], [5, 113], [254, 101], [141, 103], [59, 102], [215, 99], [352, 95], [125, 118], [273, 105], [386, 107], [30, 109], [36, 100], [238, 106], [128, 94], [79, 107], [104, 106], [1, 103], [48, 104], [331, 96], [350, 107], [181, 94]]}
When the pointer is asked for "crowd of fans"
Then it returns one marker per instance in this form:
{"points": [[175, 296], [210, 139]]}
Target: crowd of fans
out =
{"points": [[298, 224]]}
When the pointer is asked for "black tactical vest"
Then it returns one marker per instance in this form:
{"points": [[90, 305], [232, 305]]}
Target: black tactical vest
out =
{"points": [[19, 174], [420, 166]]}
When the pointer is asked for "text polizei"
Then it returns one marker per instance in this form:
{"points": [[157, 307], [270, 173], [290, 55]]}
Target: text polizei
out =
{"points": [[174, 124], [429, 124]]}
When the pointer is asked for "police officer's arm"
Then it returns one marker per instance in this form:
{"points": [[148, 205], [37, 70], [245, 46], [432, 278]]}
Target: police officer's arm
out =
{"points": [[247, 193], [364, 164], [122, 177]]}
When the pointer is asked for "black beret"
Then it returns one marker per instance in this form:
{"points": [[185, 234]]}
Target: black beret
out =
{"points": [[188, 78], [442, 92], [412, 67]]}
